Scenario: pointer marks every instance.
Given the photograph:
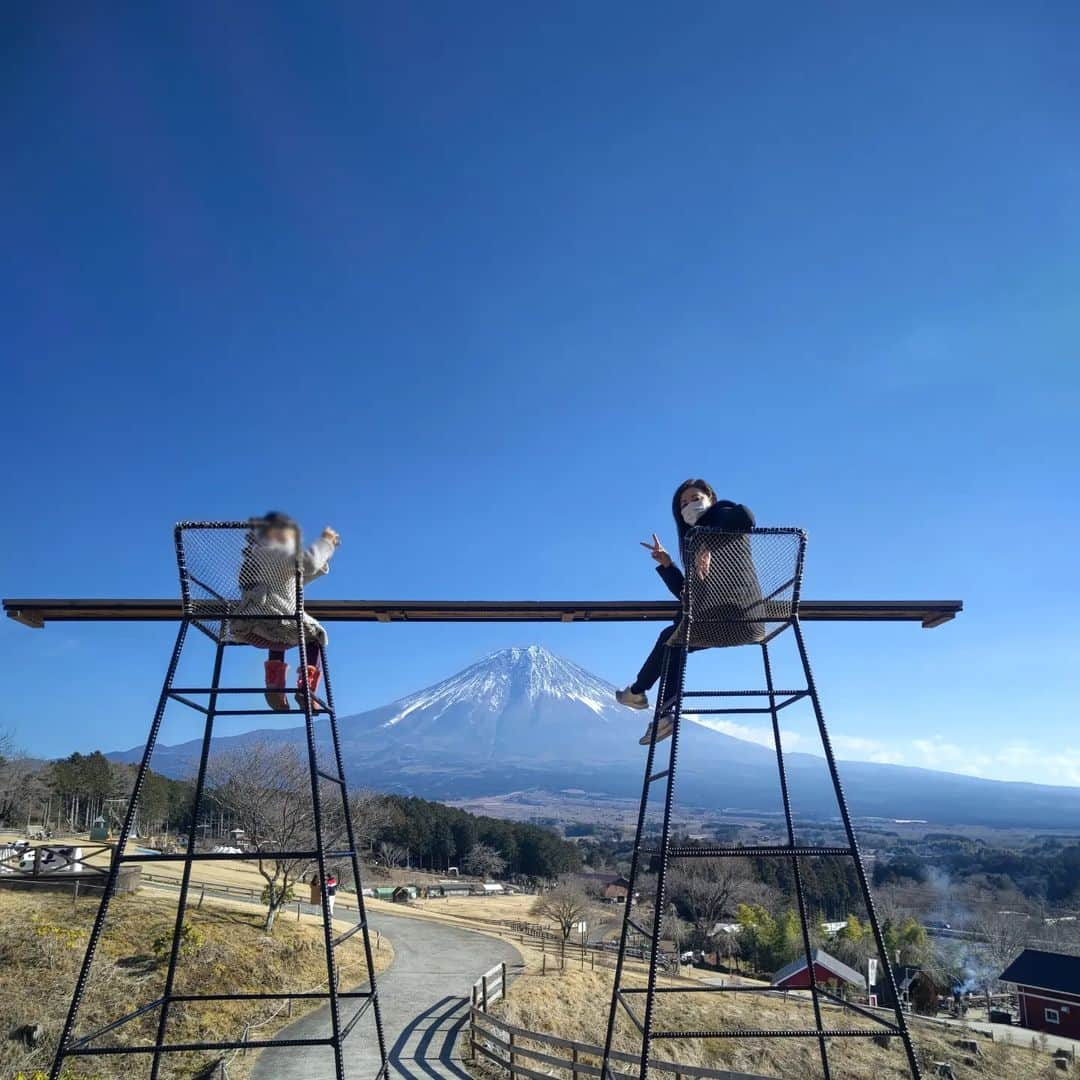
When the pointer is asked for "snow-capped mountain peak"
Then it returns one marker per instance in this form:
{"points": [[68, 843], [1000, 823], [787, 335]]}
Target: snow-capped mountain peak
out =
{"points": [[516, 675]]}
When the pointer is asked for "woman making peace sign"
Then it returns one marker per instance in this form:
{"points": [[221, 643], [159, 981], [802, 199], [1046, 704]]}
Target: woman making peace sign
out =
{"points": [[692, 500]]}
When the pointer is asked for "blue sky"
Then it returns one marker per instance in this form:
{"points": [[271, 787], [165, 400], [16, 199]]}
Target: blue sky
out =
{"points": [[478, 286]]}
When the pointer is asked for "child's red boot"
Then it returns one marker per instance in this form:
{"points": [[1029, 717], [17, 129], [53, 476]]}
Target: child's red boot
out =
{"points": [[277, 674], [309, 686]]}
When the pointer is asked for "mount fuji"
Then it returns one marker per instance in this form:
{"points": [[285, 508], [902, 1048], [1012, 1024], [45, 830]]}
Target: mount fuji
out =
{"points": [[523, 718]]}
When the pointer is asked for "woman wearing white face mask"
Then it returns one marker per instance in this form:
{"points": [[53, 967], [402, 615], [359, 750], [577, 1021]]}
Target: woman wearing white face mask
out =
{"points": [[694, 503]]}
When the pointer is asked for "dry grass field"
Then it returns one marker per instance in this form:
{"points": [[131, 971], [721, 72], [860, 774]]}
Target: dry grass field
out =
{"points": [[42, 939], [574, 1005]]}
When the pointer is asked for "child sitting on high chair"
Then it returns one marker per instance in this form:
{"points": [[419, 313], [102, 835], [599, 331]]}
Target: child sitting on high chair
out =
{"points": [[694, 503], [268, 587]]}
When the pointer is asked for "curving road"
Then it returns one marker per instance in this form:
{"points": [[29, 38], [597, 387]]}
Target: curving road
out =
{"points": [[424, 997]]}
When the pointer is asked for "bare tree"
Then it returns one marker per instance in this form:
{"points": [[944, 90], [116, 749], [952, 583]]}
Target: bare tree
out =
{"points": [[267, 791], [370, 815], [566, 905], [391, 855], [1006, 936], [484, 861], [708, 889]]}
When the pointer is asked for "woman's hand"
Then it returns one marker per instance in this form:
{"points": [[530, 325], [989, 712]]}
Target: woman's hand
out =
{"points": [[656, 550], [331, 535]]}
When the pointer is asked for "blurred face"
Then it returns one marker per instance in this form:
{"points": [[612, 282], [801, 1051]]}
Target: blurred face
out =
{"points": [[280, 536]]}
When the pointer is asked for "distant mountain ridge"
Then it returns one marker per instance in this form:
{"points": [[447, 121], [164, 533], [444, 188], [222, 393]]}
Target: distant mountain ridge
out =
{"points": [[524, 718]]}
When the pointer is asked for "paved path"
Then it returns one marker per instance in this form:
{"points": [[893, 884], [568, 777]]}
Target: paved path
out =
{"points": [[424, 997]]}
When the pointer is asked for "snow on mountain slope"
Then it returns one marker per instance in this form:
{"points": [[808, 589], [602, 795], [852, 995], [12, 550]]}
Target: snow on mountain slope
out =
{"points": [[519, 704], [507, 676]]}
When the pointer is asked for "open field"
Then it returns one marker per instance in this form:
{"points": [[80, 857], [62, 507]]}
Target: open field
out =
{"points": [[574, 1005], [43, 937]]}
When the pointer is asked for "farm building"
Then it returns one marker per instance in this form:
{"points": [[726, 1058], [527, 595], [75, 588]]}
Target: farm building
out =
{"points": [[455, 887], [616, 890], [917, 989], [493, 888], [827, 970], [609, 887], [1048, 986]]}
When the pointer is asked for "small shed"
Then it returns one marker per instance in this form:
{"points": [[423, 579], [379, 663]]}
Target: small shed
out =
{"points": [[402, 894], [828, 971], [493, 888], [615, 891], [1048, 986]]}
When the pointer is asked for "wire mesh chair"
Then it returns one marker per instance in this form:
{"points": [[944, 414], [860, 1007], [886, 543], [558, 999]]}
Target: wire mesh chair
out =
{"points": [[236, 588], [742, 588]]}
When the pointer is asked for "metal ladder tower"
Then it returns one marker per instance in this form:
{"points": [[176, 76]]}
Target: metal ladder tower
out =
{"points": [[211, 560], [742, 589]]}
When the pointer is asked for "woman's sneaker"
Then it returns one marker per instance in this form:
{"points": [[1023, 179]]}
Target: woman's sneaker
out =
{"points": [[667, 726], [631, 700]]}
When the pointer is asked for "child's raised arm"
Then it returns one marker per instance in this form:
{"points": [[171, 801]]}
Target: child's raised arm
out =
{"points": [[318, 555]]}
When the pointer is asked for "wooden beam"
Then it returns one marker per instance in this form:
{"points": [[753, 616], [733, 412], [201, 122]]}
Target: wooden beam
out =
{"points": [[37, 612]]}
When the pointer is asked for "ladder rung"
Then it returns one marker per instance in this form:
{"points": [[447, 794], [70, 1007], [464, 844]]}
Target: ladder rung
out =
{"points": [[659, 775], [327, 776], [768, 851], [640, 929], [269, 712], [741, 693], [188, 1048], [763, 710], [280, 995], [348, 934], [218, 690]]}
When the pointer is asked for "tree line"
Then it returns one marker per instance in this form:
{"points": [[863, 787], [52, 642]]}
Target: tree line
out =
{"points": [[260, 796]]}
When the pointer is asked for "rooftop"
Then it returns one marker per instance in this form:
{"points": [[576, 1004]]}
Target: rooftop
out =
{"points": [[1046, 970]]}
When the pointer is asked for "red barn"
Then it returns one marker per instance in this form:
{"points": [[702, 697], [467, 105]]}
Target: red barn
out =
{"points": [[827, 970], [1048, 985]]}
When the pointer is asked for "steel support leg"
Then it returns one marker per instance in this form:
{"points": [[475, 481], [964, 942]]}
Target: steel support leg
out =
{"points": [[661, 870], [308, 699], [635, 866], [804, 923], [185, 879], [350, 831], [114, 867], [860, 869]]}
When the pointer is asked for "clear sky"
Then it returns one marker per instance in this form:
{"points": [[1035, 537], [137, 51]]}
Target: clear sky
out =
{"points": [[480, 284]]}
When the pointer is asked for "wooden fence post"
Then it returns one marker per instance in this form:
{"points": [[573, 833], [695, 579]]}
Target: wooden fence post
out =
{"points": [[573, 1058], [483, 981], [513, 1061], [503, 966], [472, 1025]]}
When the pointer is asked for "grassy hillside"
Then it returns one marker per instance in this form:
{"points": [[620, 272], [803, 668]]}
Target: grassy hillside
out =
{"points": [[573, 1005], [42, 940]]}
